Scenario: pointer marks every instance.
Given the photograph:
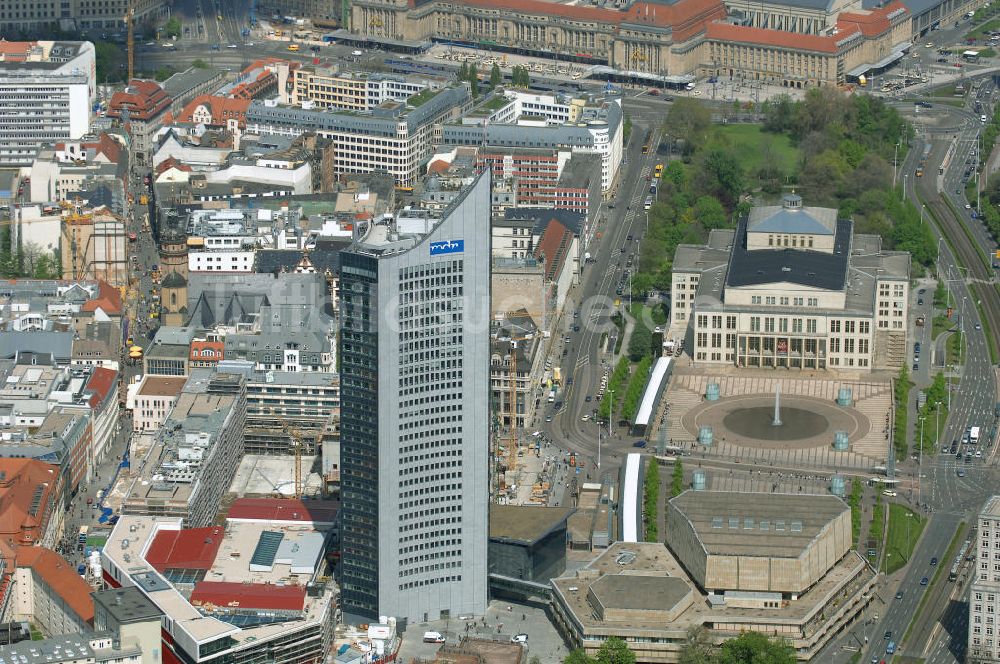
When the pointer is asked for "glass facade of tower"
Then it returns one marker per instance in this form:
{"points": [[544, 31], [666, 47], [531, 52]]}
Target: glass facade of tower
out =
{"points": [[359, 432]]}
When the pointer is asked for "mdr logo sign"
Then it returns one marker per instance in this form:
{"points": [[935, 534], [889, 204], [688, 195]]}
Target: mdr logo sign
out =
{"points": [[447, 247]]}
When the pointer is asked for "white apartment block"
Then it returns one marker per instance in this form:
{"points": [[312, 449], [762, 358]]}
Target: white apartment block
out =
{"points": [[326, 88], [792, 287], [984, 595], [46, 92], [394, 137]]}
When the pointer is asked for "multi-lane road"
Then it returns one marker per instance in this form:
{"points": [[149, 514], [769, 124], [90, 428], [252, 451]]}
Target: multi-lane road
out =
{"points": [[585, 359], [951, 498]]}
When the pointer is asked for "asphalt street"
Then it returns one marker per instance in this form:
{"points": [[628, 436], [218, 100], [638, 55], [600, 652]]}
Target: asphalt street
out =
{"points": [[584, 360]]}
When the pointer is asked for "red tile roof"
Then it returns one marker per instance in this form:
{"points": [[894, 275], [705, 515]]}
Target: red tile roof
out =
{"points": [[283, 509], [14, 51], [145, 100], [198, 345], [194, 548], [779, 38], [248, 596], [871, 23], [107, 146], [61, 577], [555, 236], [220, 108], [109, 299], [21, 479], [101, 383]]}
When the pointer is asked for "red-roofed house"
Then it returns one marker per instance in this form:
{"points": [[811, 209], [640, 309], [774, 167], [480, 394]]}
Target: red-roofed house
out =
{"points": [[29, 491], [49, 593], [146, 104], [108, 300], [206, 353], [216, 111]]}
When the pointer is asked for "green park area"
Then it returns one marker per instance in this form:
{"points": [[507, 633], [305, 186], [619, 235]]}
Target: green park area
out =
{"points": [[759, 146], [905, 527]]}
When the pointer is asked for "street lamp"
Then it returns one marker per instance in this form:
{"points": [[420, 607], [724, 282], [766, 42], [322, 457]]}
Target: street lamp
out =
{"points": [[903, 198], [922, 208]]}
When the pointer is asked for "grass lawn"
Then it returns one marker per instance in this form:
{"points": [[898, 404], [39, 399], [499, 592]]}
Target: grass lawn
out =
{"points": [[905, 527], [946, 90], [939, 325], [750, 139], [982, 32], [955, 348], [930, 436]]}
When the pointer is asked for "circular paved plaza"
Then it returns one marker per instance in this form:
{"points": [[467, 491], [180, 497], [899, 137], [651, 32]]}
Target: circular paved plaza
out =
{"points": [[748, 421]]}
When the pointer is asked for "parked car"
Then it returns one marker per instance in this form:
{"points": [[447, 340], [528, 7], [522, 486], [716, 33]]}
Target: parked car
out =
{"points": [[639, 443]]}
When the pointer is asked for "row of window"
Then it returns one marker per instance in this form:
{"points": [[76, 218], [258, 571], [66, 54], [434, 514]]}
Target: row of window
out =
{"points": [[431, 582]]}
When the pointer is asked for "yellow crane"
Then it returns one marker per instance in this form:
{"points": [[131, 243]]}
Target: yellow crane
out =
{"points": [[297, 436]]}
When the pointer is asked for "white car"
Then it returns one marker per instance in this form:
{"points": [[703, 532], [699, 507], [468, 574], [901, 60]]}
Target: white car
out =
{"points": [[519, 638], [249, 43], [585, 418], [357, 53], [928, 45], [968, 206], [168, 45], [232, 46], [889, 492]]}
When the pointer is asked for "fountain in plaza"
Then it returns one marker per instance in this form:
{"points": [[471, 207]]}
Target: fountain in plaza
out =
{"points": [[776, 422]]}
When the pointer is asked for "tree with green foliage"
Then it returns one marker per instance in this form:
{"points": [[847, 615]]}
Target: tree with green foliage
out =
{"points": [[108, 59], [463, 71], [722, 174], [641, 341], [173, 27], [779, 112], [198, 63], [677, 479], [535, 659], [688, 121], [636, 387], [755, 648], [616, 384], [474, 80], [495, 76], [578, 656], [697, 648], [163, 73], [615, 651]]}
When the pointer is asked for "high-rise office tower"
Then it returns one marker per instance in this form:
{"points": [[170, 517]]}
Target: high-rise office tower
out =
{"points": [[984, 595], [414, 344]]}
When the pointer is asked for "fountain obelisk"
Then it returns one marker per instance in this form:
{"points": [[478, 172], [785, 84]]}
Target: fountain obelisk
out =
{"points": [[776, 422]]}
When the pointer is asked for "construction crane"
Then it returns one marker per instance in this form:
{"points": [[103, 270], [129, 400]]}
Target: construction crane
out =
{"points": [[297, 437], [130, 44]]}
